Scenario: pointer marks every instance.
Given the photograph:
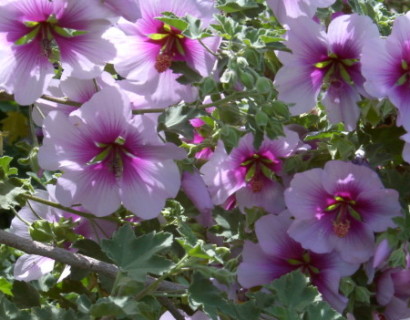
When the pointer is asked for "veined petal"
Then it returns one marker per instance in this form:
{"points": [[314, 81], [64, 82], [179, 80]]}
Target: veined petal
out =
{"points": [[327, 283], [273, 238], [341, 104], [346, 176], [258, 268], [315, 235], [95, 187], [357, 246], [221, 179], [269, 198], [147, 185], [306, 196], [382, 206], [32, 73]]}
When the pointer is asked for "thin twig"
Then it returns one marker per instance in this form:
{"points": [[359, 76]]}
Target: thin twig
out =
{"points": [[75, 259], [67, 209], [61, 100], [233, 97], [171, 308], [61, 255]]}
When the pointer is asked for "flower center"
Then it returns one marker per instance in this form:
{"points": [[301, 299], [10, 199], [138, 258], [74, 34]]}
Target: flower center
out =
{"points": [[336, 69], [343, 208], [305, 263], [259, 170], [112, 156], [405, 73], [172, 46], [45, 32]]}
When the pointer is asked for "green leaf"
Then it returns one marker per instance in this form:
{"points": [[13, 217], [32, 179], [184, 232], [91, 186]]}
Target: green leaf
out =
{"points": [[261, 118], [203, 293], [172, 20], [9, 311], [293, 291], [230, 137], [194, 30], [25, 295], [189, 75], [176, 119], [91, 249], [362, 294], [5, 286], [41, 230], [231, 6], [321, 311], [138, 256]]}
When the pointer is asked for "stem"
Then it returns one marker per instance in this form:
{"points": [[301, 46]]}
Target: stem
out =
{"points": [[67, 209], [217, 103], [58, 254], [171, 308], [61, 101], [74, 259], [20, 218], [156, 283], [207, 48]]}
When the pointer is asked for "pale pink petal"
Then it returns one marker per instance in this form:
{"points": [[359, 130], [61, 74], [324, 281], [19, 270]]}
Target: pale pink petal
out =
{"points": [[346, 176], [217, 173], [269, 198], [306, 196], [341, 101], [147, 185], [313, 234], [258, 268], [30, 267]]}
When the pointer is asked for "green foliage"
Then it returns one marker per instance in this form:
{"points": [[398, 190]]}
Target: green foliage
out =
{"points": [[11, 188], [291, 297], [138, 256]]}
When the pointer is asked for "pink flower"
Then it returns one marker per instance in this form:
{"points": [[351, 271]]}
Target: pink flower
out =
{"points": [[338, 208], [386, 67], [286, 10], [32, 267], [129, 9], [195, 189], [78, 90], [328, 61], [276, 254], [34, 34], [248, 173], [150, 47], [110, 158], [393, 292]]}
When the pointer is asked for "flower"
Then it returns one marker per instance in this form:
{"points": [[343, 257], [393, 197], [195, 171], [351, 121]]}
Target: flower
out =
{"points": [[386, 67], [325, 61], [338, 208], [394, 294], [78, 90], [32, 267], [195, 189], [129, 9], [285, 10], [248, 173], [109, 157], [34, 34], [29, 266], [150, 46], [276, 254]]}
